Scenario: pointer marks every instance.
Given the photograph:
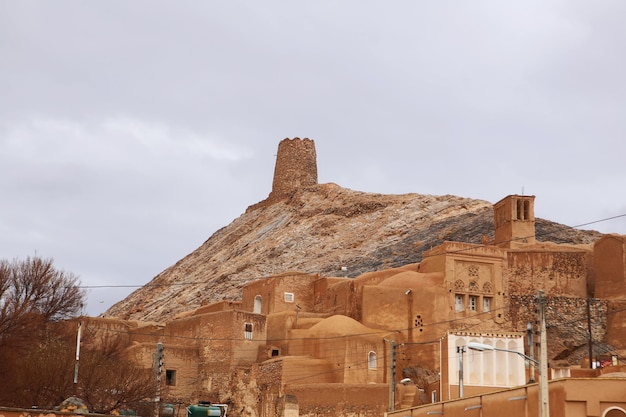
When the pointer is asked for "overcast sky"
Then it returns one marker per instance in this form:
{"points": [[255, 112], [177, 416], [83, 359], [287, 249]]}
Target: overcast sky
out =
{"points": [[130, 131]]}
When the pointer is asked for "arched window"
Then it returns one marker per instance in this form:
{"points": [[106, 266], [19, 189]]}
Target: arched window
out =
{"points": [[257, 305], [371, 360], [614, 412]]}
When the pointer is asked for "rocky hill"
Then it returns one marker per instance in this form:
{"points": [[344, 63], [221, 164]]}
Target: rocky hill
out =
{"points": [[317, 228], [322, 229]]}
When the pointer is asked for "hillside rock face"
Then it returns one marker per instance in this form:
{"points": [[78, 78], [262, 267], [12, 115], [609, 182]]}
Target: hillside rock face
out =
{"points": [[317, 228]]}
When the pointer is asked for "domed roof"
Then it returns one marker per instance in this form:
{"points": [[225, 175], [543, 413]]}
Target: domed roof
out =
{"points": [[341, 326], [410, 279]]}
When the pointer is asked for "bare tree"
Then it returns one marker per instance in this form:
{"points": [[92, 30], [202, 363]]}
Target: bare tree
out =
{"points": [[43, 375], [37, 345], [33, 292], [109, 380]]}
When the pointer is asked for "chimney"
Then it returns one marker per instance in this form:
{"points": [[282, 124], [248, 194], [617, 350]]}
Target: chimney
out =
{"points": [[296, 167]]}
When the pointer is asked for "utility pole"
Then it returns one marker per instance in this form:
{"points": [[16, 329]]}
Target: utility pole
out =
{"points": [[78, 335], [392, 375], [531, 352], [544, 406], [158, 370], [591, 364]]}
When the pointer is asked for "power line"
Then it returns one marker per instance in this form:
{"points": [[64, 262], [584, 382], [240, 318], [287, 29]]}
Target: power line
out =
{"points": [[476, 246]]}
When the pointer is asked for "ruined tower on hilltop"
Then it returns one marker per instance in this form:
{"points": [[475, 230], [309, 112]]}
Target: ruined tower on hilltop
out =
{"points": [[296, 167]]}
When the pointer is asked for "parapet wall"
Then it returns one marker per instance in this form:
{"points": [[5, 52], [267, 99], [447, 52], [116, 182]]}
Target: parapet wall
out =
{"points": [[34, 412]]}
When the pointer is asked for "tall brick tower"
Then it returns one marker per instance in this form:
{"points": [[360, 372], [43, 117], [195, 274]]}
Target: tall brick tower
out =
{"points": [[296, 167], [514, 218]]}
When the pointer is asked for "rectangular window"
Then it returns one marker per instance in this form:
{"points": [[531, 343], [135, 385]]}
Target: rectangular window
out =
{"points": [[473, 301], [458, 302], [486, 303], [289, 297], [170, 377], [248, 331]]}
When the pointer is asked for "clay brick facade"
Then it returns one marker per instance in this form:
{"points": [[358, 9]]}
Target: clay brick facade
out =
{"points": [[314, 345]]}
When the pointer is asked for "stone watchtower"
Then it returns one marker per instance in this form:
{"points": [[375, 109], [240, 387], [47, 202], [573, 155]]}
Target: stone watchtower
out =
{"points": [[296, 167], [514, 218]]}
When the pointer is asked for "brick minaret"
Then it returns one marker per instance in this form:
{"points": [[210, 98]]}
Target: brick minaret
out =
{"points": [[296, 167]]}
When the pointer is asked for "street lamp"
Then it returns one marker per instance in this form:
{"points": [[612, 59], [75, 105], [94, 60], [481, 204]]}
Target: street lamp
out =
{"points": [[481, 347], [543, 376]]}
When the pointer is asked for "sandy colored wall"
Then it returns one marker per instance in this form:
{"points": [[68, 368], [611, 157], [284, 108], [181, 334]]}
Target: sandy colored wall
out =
{"points": [[610, 267], [323, 400], [272, 292], [557, 272], [568, 398], [616, 323], [336, 296], [423, 314]]}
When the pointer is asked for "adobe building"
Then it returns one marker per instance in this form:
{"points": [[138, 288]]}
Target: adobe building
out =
{"points": [[569, 397], [302, 344]]}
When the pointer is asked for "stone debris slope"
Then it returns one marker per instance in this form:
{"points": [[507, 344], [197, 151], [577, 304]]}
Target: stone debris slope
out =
{"points": [[323, 229]]}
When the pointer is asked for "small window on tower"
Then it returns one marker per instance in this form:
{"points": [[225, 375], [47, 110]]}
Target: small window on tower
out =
{"points": [[289, 297], [248, 331]]}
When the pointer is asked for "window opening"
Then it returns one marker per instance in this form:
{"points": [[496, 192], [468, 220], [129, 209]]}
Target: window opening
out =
{"points": [[257, 304], [526, 209], [170, 377], [472, 271], [371, 360], [458, 302], [289, 297], [473, 301], [248, 331], [487, 304]]}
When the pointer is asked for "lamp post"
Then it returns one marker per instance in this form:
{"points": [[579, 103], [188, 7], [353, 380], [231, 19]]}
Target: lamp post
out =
{"points": [[480, 347], [543, 376]]}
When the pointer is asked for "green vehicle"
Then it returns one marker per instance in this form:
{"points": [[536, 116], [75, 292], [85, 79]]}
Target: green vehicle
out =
{"points": [[207, 409]]}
